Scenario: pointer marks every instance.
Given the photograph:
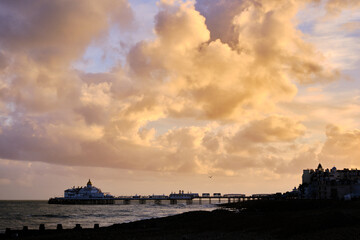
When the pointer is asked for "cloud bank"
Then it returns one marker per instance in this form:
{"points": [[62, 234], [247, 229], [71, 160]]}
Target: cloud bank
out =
{"points": [[224, 66]]}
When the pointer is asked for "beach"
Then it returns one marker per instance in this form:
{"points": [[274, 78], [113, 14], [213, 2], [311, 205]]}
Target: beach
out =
{"points": [[260, 220]]}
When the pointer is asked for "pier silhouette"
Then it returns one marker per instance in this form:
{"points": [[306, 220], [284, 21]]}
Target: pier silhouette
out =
{"points": [[163, 199]]}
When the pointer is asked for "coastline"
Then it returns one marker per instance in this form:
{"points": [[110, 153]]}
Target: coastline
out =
{"points": [[293, 219]]}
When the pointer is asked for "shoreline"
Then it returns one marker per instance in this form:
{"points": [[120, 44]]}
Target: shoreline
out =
{"points": [[292, 219]]}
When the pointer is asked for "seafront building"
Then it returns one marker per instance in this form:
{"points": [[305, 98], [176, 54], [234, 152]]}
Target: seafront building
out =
{"points": [[89, 191], [323, 183]]}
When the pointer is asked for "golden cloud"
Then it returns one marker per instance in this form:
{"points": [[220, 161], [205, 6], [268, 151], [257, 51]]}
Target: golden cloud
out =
{"points": [[228, 66], [336, 6], [341, 148]]}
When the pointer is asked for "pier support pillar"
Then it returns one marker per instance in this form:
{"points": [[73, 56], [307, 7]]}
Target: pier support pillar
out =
{"points": [[157, 201], [126, 201], [189, 201], [142, 201], [173, 201]]}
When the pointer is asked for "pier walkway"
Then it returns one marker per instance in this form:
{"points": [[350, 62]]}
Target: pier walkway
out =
{"points": [[157, 200]]}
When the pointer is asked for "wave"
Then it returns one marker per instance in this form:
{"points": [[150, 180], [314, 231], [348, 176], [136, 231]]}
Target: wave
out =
{"points": [[32, 214], [50, 216]]}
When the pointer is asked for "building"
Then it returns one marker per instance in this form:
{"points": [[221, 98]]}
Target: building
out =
{"points": [[85, 192], [323, 183]]}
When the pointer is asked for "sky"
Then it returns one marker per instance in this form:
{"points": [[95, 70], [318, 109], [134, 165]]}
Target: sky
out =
{"points": [[150, 97]]}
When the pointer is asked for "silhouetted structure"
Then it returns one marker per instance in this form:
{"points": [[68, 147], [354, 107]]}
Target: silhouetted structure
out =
{"points": [[330, 184], [85, 192]]}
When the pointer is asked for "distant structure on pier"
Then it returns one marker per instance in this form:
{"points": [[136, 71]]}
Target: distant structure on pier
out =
{"points": [[330, 184], [183, 196], [89, 191]]}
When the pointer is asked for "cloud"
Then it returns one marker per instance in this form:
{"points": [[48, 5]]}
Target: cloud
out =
{"points": [[266, 32], [317, 109], [42, 39], [216, 78], [215, 150], [55, 32], [273, 129], [307, 157], [341, 148], [336, 6], [49, 108], [223, 71], [351, 26]]}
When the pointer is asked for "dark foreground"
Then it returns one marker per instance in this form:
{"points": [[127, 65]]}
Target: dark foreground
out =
{"points": [[292, 219]]}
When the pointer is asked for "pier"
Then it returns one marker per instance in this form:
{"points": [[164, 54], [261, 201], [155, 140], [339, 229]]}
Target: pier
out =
{"points": [[205, 200], [92, 195], [159, 200]]}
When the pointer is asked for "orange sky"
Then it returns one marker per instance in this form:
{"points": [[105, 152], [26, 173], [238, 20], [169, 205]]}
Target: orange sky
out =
{"points": [[152, 97]]}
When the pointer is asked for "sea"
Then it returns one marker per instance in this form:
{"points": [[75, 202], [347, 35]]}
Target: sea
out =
{"points": [[16, 214]]}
